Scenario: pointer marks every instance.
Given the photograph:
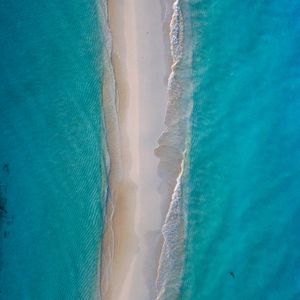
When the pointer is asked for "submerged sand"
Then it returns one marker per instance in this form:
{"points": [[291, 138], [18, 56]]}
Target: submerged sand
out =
{"points": [[136, 210]]}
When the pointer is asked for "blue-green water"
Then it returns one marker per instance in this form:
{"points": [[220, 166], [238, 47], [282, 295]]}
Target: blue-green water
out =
{"points": [[51, 154], [241, 175], [243, 191]]}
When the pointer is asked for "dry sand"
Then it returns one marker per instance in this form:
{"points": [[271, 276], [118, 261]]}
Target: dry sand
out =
{"points": [[141, 64]]}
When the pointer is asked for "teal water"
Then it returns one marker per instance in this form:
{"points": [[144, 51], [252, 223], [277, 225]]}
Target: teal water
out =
{"points": [[51, 175], [242, 195]]}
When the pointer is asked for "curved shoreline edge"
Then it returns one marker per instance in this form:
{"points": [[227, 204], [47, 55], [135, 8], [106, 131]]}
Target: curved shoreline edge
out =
{"points": [[173, 153], [112, 147]]}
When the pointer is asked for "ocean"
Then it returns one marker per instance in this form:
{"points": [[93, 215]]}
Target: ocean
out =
{"points": [[52, 175], [241, 186], [232, 230]]}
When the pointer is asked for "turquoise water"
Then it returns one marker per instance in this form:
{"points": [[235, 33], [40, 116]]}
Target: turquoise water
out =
{"points": [[51, 171], [242, 196], [241, 181]]}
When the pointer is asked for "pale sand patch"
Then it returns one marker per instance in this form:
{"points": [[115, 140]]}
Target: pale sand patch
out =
{"points": [[141, 64]]}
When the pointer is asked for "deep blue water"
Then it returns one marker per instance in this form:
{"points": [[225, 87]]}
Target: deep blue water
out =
{"points": [[51, 171], [243, 191]]}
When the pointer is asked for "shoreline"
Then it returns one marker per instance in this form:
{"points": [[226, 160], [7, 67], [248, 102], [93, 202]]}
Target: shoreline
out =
{"points": [[122, 196], [141, 63]]}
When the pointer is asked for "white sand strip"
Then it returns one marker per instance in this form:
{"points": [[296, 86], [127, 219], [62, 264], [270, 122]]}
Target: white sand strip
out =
{"points": [[142, 65]]}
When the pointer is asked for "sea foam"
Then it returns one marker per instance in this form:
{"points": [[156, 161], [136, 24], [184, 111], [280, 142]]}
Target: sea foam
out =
{"points": [[171, 152]]}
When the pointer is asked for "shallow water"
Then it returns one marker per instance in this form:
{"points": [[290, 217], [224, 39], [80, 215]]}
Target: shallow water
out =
{"points": [[238, 195], [50, 149], [242, 188]]}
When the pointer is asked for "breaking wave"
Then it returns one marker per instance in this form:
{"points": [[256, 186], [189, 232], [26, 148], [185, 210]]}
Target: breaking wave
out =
{"points": [[173, 144]]}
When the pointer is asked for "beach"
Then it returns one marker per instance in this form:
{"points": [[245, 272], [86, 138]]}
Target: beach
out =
{"points": [[136, 209], [150, 150]]}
